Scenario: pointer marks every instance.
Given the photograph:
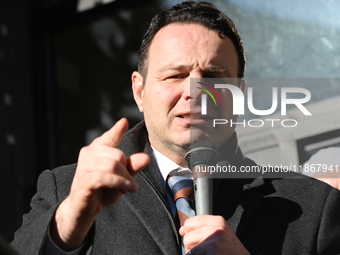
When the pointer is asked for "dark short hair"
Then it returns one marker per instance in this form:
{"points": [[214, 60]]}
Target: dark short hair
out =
{"points": [[190, 12]]}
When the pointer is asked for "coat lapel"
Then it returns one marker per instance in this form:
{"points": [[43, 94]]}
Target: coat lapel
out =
{"points": [[150, 205], [239, 197], [238, 201], [250, 200]]}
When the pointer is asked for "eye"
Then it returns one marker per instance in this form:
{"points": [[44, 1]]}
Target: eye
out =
{"points": [[178, 76], [209, 76], [175, 76]]}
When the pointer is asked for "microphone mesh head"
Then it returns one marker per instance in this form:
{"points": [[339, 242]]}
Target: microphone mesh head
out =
{"points": [[201, 153]]}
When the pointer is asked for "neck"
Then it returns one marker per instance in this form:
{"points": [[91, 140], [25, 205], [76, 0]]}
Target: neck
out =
{"points": [[174, 153]]}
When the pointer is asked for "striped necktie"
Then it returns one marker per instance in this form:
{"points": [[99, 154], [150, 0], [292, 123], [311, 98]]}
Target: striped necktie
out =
{"points": [[181, 186]]}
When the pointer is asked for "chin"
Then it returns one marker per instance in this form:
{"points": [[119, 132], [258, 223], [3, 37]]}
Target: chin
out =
{"points": [[198, 135]]}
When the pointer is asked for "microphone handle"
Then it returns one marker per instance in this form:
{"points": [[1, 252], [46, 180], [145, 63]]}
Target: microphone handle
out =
{"points": [[203, 191]]}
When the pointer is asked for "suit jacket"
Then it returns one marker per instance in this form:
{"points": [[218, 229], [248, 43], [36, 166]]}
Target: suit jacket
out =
{"points": [[270, 216]]}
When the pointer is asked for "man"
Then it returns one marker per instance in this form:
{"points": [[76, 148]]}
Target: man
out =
{"points": [[115, 200]]}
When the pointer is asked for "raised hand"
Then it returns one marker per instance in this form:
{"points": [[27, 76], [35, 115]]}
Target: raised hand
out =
{"points": [[102, 176]]}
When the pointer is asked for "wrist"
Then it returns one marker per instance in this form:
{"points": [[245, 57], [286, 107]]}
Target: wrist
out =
{"points": [[68, 230]]}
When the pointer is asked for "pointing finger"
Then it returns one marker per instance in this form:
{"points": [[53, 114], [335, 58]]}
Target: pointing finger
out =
{"points": [[113, 136]]}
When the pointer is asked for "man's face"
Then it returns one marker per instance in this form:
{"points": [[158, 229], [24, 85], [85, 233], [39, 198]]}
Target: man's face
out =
{"points": [[172, 112]]}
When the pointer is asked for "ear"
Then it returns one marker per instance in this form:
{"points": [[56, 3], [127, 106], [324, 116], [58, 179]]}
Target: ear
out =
{"points": [[243, 85], [138, 89]]}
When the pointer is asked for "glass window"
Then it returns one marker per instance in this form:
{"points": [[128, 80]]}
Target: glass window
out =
{"points": [[94, 61], [285, 40]]}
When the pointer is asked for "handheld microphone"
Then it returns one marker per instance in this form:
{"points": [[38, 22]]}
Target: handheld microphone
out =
{"points": [[198, 157]]}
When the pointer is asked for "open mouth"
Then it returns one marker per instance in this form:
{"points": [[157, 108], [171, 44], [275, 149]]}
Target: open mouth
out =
{"points": [[184, 116], [192, 117]]}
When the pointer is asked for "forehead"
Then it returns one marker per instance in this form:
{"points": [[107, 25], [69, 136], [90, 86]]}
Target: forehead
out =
{"points": [[183, 42], [175, 34]]}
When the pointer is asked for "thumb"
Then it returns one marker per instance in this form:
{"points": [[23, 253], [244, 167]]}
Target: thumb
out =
{"points": [[137, 162], [114, 136]]}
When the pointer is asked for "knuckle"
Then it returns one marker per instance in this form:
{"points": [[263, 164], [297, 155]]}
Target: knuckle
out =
{"points": [[97, 179], [85, 150], [107, 163], [96, 140], [219, 231], [220, 220], [120, 156], [113, 165]]}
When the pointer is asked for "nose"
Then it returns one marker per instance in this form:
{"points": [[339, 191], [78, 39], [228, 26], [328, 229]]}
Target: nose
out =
{"points": [[192, 87]]}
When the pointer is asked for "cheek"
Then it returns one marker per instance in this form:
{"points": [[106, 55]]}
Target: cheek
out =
{"points": [[227, 108], [155, 102], [167, 97]]}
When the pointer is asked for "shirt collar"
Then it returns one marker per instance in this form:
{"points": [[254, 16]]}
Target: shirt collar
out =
{"points": [[165, 164]]}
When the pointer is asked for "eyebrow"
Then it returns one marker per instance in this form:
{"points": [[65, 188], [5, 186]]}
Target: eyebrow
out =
{"points": [[217, 70], [210, 69], [174, 68]]}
